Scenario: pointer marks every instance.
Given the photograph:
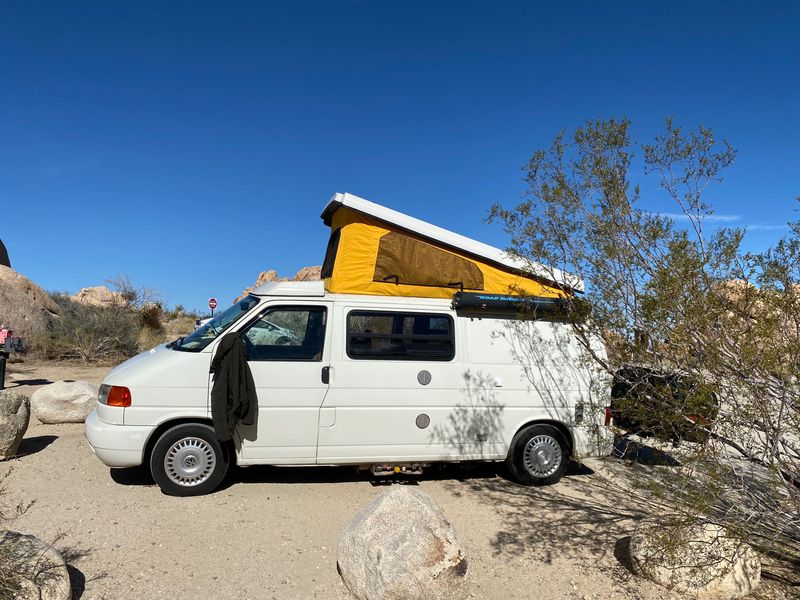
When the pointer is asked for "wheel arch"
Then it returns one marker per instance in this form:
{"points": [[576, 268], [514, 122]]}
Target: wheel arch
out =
{"points": [[170, 423], [560, 425]]}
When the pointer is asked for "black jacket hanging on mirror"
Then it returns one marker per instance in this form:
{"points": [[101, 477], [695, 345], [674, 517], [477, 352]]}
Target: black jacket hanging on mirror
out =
{"points": [[233, 395]]}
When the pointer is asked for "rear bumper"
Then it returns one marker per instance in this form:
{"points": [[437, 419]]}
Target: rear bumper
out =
{"points": [[116, 445]]}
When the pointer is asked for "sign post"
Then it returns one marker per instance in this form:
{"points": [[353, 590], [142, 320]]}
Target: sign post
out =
{"points": [[212, 304], [4, 334]]}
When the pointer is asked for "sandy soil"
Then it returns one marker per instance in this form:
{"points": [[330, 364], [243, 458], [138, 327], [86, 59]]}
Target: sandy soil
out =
{"points": [[271, 533]]}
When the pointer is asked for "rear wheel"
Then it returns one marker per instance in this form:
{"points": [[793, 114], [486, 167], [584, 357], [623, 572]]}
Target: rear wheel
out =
{"points": [[539, 455], [188, 460]]}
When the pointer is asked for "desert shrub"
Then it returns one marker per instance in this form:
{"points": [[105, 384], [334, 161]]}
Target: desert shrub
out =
{"points": [[150, 338], [179, 325], [90, 333], [684, 300], [13, 572], [151, 316]]}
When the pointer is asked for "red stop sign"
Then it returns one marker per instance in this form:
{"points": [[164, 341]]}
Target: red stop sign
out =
{"points": [[212, 303]]}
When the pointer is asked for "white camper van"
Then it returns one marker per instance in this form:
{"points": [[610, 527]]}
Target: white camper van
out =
{"points": [[389, 383]]}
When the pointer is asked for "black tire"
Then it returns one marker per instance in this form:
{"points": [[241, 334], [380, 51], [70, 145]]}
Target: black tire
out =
{"points": [[197, 463], [549, 445]]}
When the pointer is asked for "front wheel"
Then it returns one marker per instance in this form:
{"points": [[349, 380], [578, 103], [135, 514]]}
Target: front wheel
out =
{"points": [[188, 460], [539, 455]]}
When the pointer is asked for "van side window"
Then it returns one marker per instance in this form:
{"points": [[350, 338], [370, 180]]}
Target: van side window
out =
{"points": [[399, 336], [287, 334]]}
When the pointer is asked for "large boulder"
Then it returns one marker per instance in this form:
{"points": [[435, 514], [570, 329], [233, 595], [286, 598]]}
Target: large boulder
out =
{"points": [[15, 413], [701, 560], [64, 401], [41, 573], [401, 547], [25, 308]]}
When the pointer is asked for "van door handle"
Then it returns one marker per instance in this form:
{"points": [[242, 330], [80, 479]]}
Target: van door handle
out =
{"points": [[326, 375]]}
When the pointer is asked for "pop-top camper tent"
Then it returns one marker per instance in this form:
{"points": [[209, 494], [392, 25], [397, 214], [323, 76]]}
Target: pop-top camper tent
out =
{"points": [[378, 251]]}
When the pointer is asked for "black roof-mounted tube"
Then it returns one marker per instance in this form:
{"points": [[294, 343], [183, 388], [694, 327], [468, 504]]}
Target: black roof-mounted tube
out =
{"points": [[476, 303]]}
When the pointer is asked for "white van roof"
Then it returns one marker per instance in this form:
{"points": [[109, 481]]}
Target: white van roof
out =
{"points": [[291, 288], [448, 238]]}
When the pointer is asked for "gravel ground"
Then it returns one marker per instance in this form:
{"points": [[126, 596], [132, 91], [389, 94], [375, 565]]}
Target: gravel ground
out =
{"points": [[271, 533]]}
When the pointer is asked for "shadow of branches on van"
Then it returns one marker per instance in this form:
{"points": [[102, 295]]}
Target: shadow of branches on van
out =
{"points": [[474, 427]]}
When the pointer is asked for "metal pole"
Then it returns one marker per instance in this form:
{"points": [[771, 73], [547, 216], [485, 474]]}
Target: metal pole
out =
{"points": [[3, 357]]}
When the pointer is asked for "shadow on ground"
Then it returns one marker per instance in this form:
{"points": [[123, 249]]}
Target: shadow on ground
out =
{"points": [[77, 581], [21, 382], [633, 451], [582, 513], [622, 552], [35, 444], [132, 476], [139, 476]]}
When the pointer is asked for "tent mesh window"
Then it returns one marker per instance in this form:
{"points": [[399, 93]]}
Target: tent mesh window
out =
{"points": [[408, 261], [330, 254]]}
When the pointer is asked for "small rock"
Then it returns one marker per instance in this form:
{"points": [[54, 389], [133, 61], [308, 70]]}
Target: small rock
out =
{"points": [[700, 560], [42, 572], [15, 413], [401, 547], [64, 401]]}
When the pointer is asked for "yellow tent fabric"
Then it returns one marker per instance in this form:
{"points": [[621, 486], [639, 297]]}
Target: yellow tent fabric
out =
{"points": [[428, 270]]}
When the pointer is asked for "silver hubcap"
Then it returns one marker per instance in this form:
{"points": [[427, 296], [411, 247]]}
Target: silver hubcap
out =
{"points": [[190, 461], [542, 456]]}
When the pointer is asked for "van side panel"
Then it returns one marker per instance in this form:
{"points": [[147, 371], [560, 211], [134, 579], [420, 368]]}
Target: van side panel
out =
{"points": [[544, 375], [506, 373], [399, 410]]}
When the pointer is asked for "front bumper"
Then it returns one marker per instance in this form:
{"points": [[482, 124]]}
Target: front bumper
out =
{"points": [[116, 445]]}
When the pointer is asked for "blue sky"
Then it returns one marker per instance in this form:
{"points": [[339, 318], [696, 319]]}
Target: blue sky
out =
{"points": [[191, 145]]}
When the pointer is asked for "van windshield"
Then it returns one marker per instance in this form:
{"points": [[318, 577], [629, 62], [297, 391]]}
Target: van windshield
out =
{"points": [[207, 333]]}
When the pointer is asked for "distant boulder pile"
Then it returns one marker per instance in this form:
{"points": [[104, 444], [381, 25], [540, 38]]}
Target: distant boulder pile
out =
{"points": [[304, 274], [99, 295]]}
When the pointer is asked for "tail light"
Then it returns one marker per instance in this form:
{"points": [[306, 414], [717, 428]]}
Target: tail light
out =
{"points": [[609, 416], [114, 395]]}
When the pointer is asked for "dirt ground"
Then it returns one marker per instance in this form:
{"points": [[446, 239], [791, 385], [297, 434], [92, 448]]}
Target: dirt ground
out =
{"points": [[271, 533]]}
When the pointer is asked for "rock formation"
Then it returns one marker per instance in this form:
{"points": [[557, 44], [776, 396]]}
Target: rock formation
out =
{"points": [[702, 561], [39, 569], [304, 274], [25, 308], [401, 547], [98, 295]]}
